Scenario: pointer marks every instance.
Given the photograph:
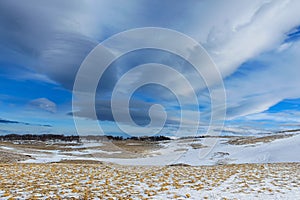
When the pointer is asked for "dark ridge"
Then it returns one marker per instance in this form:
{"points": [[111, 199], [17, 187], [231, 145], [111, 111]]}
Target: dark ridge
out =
{"points": [[289, 131], [72, 138], [191, 137], [151, 138], [44, 137], [179, 165]]}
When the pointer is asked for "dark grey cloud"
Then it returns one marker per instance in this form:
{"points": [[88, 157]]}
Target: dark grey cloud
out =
{"points": [[53, 37], [44, 38], [139, 111], [6, 121]]}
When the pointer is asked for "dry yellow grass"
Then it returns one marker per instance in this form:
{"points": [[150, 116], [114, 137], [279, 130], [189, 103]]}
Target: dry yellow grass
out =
{"points": [[103, 181]]}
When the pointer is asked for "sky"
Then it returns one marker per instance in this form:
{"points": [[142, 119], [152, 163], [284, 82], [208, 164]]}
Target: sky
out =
{"points": [[254, 45]]}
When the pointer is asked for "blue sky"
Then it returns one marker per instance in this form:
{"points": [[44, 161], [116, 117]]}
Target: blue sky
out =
{"points": [[255, 45]]}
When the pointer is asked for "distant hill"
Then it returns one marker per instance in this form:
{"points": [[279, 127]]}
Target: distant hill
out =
{"points": [[73, 138]]}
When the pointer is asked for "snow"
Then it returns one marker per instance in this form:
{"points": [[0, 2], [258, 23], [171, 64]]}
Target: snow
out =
{"points": [[85, 145], [157, 181], [6, 148], [178, 151], [281, 150], [253, 181]]}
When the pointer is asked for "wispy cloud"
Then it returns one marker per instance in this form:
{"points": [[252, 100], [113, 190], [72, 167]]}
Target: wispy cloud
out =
{"points": [[43, 104], [6, 121]]}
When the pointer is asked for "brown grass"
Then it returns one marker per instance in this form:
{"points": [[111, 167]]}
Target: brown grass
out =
{"points": [[254, 140], [88, 181], [8, 157]]}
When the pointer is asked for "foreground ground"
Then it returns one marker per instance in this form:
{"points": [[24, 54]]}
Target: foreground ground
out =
{"points": [[111, 181]]}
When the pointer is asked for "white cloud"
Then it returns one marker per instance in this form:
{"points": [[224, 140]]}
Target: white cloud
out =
{"points": [[56, 36], [245, 36], [288, 116], [266, 85]]}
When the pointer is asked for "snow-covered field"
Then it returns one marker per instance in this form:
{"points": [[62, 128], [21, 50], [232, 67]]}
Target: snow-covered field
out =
{"points": [[141, 170], [188, 151], [103, 181]]}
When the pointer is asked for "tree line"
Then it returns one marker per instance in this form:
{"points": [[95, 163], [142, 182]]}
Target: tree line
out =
{"points": [[75, 138]]}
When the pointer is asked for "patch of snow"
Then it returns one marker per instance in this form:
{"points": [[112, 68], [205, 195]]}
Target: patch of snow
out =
{"points": [[7, 148]]}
